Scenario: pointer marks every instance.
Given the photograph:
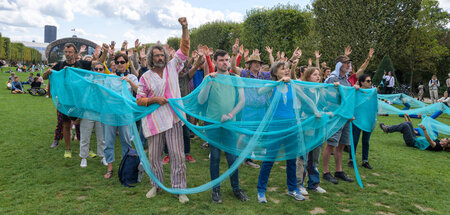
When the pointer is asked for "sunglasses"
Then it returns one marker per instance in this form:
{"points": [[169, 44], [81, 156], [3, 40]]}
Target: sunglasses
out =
{"points": [[368, 81], [98, 69], [121, 62]]}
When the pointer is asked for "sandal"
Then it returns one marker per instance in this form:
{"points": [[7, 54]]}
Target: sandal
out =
{"points": [[108, 174]]}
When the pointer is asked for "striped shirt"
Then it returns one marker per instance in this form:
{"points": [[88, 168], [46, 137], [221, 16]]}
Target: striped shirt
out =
{"points": [[151, 85]]}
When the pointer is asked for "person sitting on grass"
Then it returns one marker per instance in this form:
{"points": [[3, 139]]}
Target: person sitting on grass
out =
{"points": [[16, 86], [36, 83], [412, 136]]}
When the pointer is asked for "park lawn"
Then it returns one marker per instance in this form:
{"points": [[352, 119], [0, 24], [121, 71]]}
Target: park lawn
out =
{"points": [[35, 179]]}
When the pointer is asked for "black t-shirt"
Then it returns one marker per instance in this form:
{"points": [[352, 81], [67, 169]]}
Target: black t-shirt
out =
{"points": [[35, 84], [82, 64], [438, 147]]}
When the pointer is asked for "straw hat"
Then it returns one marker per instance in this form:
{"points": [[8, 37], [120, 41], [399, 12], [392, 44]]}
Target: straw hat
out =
{"points": [[254, 57]]}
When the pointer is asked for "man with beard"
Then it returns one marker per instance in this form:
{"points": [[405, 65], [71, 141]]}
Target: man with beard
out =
{"points": [[71, 53], [156, 86]]}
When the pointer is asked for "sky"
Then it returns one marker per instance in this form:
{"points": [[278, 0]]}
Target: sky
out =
{"points": [[103, 21]]}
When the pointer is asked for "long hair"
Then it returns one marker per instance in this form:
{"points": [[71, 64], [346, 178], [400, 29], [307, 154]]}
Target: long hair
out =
{"points": [[150, 55], [308, 72]]}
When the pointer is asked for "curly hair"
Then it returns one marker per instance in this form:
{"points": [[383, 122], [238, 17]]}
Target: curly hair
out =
{"points": [[150, 55]]}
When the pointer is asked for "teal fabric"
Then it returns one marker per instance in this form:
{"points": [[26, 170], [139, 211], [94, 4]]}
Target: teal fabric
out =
{"points": [[319, 110], [401, 98], [385, 108], [430, 125]]}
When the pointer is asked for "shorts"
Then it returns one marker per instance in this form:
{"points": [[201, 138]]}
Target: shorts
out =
{"points": [[342, 136]]}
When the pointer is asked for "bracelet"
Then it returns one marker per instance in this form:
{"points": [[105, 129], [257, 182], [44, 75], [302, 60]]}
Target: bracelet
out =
{"points": [[233, 55], [291, 61], [230, 115]]}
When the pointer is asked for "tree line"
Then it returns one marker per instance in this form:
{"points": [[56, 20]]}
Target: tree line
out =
{"points": [[17, 52], [414, 34]]}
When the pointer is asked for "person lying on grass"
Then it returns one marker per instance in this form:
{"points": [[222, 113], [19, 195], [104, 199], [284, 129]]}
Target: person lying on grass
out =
{"points": [[413, 138]]}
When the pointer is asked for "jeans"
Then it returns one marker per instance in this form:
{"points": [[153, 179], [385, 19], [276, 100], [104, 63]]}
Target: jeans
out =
{"points": [[407, 129], [110, 140], [264, 174], [86, 127], [365, 143], [214, 164], [311, 168], [186, 140]]}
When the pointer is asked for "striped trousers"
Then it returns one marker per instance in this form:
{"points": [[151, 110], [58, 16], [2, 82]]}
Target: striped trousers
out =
{"points": [[174, 140]]}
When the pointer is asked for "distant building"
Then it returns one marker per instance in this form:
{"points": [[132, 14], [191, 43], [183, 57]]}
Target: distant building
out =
{"points": [[55, 50], [50, 33]]}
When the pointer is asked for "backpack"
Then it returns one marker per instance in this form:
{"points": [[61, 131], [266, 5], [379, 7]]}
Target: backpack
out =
{"points": [[128, 169]]}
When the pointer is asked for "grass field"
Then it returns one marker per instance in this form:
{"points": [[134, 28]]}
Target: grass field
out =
{"points": [[35, 179]]}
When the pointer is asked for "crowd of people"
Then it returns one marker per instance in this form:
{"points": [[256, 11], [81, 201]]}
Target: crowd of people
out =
{"points": [[155, 75]]}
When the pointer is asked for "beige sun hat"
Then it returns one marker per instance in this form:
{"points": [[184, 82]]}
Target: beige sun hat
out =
{"points": [[254, 57]]}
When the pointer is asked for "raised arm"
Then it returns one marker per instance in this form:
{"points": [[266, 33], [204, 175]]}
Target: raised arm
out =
{"points": [[235, 48], [185, 43], [317, 58], [269, 51], [365, 64]]}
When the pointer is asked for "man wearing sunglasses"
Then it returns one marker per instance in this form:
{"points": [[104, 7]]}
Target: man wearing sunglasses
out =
{"points": [[156, 86], [71, 53]]}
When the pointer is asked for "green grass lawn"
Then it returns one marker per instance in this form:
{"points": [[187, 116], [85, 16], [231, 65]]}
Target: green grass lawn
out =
{"points": [[35, 179]]}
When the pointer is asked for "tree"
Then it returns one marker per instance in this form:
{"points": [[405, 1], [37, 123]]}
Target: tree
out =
{"points": [[426, 47], [217, 35], [283, 27], [174, 42], [385, 66], [383, 25]]}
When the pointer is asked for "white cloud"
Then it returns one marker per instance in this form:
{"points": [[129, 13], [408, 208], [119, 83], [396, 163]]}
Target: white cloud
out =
{"points": [[445, 4]]}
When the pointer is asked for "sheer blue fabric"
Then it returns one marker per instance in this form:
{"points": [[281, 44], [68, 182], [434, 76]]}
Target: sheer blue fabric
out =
{"points": [[434, 128], [385, 108], [401, 98], [250, 118]]}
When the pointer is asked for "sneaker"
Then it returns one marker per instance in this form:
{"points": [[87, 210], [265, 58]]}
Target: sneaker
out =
{"points": [[296, 194], [343, 176], [366, 165], [103, 161], [183, 198], [262, 197], [303, 191], [319, 190], [152, 192], [166, 159], [54, 144], [350, 164], [384, 127], [83, 163], [239, 193], [216, 196], [251, 164], [190, 158], [92, 154], [68, 154], [327, 176]]}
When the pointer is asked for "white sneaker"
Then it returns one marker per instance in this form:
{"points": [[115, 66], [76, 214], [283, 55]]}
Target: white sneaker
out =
{"points": [[183, 198], [83, 163], [152, 192], [103, 161], [303, 191], [320, 190]]}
